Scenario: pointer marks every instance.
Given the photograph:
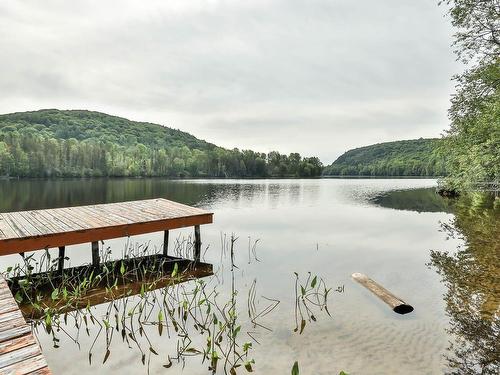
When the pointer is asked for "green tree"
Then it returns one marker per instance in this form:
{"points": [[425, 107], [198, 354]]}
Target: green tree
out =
{"points": [[472, 143]]}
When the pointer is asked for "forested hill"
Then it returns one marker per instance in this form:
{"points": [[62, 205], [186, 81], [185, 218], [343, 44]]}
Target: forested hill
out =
{"points": [[77, 143], [418, 157]]}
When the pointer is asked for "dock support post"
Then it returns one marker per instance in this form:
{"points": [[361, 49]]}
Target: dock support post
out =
{"points": [[197, 243], [95, 253], [62, 250], [165, 243]]}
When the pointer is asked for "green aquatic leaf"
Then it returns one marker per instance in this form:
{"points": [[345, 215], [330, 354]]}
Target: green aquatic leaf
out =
{"points": [[175, 270], [55, 294], [248, 365], [295, 368], [314, 281], [302, 326], [106, 356], [169, 364], [235, 332], [18, 297]]}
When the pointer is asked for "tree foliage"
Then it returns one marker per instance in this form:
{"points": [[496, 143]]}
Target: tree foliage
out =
{"points": [[472, 143], [53, 143], [401, 158]]}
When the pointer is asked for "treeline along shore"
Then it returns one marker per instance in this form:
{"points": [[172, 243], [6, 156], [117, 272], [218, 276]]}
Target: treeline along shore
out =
{"points": [[54, 143]]}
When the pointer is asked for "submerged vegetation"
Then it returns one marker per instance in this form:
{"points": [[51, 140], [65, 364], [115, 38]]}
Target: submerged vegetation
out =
{"points": [[54, 143], [148, 294]]}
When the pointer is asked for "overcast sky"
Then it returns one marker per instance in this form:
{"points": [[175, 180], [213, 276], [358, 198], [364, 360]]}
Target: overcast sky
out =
{"points": [[314, 76]]}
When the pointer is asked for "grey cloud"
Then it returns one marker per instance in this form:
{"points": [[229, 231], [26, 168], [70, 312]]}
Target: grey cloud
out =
{"points": [[239, 74]]}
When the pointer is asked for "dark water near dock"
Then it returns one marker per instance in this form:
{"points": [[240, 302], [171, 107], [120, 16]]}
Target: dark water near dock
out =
{"points": [[440, 256]]}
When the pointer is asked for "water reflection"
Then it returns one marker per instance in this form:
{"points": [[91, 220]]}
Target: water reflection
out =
{"points": [[38, 194], [472, 277], [327, 227], [471, 274], [420, 200]]}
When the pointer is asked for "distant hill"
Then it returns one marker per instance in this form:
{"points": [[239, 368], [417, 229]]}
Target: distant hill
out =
{"points": [[78, 143], [89, 125], [417, 157]]}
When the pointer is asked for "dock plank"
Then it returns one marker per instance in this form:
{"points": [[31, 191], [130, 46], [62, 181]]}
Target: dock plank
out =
{"points": [[39, 229], [19, 351]]}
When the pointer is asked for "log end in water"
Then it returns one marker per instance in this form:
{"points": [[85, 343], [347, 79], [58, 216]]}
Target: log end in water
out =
{"points": [[403, 309], [395, 303]]}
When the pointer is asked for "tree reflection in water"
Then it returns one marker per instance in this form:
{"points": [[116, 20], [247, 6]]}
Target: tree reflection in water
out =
{"points": [[472, 278]]}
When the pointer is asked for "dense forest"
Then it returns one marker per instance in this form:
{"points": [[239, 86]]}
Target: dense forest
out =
{"points": [[417, 157], [472, 143], [55, 143]]}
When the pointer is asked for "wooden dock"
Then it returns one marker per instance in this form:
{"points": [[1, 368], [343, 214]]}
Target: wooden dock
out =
{"points": [[59, 227], [19, 351]]}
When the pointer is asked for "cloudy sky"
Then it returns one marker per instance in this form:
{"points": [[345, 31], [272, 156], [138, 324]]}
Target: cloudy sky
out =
{"points": [[314, 76]]}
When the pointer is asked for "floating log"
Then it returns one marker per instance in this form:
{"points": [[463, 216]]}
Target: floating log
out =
{"points": [[397, 304]]}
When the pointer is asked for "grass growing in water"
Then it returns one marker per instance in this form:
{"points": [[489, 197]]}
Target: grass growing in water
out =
{"points": [[145, 295]]}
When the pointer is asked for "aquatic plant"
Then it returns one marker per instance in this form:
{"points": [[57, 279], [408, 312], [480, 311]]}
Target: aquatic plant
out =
{"points": [[150, 294], [310, 295]]}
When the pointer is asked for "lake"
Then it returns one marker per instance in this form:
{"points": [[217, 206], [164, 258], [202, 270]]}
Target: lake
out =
{"points": [[397, 231]]}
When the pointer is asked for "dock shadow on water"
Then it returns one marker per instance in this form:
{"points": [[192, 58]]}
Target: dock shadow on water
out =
{"points": [[147, 299]]}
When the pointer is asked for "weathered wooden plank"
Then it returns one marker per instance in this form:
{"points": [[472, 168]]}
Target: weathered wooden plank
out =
{"points": [[47, 215], [8, 306], [12, 246], [52, 225], [35, 226], [13, 332], [42, 371], [67, 218], [115, 215], [20, 232], [105, 219], [16, 343], [19, 351], [135, 213], [39, 229], [396, 304], [34, 364], [15, 314], [165, 208], [19, 355], [24, 224], [128, 211], [7, 230]]}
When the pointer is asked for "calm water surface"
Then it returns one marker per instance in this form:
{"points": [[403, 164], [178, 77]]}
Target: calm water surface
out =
{"points": [[330, 227]]}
